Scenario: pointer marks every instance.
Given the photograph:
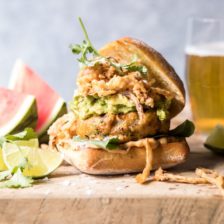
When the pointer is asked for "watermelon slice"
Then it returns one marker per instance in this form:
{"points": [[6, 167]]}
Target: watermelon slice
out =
{"points": [[50, 105], [17, 111]]}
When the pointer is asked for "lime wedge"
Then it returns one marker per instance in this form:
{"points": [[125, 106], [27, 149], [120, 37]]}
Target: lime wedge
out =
{"points": [[2, 163], [34, 143], [40, 162], [215, 140]]}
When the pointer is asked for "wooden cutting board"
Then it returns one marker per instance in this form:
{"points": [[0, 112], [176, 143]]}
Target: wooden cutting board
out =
{"points": [[71, 197]]}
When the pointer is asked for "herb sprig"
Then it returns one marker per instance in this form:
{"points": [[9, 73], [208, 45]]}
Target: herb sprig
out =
{"points": [[15, 178], [110, 143], [85, 49], [91, 57]]}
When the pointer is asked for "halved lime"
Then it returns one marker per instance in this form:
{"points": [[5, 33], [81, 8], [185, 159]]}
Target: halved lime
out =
{"points": [[31, 143], [2, 163], [41, 162], [215, 140]]}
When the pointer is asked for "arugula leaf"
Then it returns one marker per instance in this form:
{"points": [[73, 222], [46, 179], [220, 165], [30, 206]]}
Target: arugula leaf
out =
{"points": [[106, 143], [4, 174], [186, 129], [85, 48], [18, 180]]}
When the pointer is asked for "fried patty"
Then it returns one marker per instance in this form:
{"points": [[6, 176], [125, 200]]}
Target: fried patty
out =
{"points": [[126, 127]]}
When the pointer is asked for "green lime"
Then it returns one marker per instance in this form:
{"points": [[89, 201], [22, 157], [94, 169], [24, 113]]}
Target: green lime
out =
{"points": [[2, 163], [215, 140], [41, 162], [31, 143]]}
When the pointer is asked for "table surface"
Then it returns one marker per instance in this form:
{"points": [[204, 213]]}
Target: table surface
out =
{"points": [[69, 182], [69, 195]]}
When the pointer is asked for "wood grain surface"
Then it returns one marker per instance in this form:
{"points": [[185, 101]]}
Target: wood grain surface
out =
{"points": [[71, 197]]}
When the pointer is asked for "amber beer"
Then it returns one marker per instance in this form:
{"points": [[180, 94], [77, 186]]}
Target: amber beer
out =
{"points": [[205, 79]]}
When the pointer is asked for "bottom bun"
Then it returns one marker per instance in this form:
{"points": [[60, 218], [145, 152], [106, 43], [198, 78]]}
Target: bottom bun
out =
{"points": [[101, 162]]}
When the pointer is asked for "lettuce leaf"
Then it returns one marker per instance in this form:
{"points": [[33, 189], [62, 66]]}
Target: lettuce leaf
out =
{"points": [[186, 129], [107, 143]]}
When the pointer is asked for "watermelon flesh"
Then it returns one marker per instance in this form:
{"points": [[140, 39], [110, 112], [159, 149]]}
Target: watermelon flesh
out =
{"points": [[17, 111], [49, 104]]}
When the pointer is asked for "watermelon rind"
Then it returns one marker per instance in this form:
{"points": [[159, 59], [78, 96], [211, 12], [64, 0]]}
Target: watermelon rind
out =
{"points": [[59, 110], [26, 116]]}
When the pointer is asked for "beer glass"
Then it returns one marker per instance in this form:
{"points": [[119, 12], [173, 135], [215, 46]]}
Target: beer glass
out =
{"points": [[205, 72]]}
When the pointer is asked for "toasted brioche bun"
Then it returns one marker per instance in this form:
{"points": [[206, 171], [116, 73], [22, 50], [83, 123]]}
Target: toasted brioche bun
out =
{"points": [[98, 161], [125, 48]]}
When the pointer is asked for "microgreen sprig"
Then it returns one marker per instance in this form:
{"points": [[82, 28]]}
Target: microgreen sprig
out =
{"points": [[15, 178], [91, 57], [85, 49]]}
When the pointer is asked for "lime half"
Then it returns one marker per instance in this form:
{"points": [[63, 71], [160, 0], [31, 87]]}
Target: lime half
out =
{"points": [[2, 163], [41, 162], [31, 143], [215, 140]]}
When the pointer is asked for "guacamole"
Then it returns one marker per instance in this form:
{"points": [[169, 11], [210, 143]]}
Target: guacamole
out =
{"points": [[87, 106]]}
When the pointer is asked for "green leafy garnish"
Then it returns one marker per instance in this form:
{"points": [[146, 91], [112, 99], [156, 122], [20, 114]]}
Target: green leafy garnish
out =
{"points": [[15, 177], [107, 143], [18, 180], [27, 134], [85, 49], [135, 67], [4, 174], [186, 129], [91, 57], [131, 67]]}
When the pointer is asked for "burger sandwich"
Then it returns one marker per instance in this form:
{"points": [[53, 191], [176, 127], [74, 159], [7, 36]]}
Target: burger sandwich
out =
{"points": [[119, 119]]}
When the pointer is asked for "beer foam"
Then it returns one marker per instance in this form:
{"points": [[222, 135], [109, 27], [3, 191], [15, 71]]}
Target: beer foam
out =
{"points": [[211, 49]]}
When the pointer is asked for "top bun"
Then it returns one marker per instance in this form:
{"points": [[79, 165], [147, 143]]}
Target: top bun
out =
{"points": [[125, 48]]}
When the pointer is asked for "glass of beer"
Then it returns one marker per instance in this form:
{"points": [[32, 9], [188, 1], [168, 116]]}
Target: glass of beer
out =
{"points": [[205, 72]]}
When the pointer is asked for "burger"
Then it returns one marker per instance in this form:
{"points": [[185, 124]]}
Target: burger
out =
{"points": [[119, 119]]}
